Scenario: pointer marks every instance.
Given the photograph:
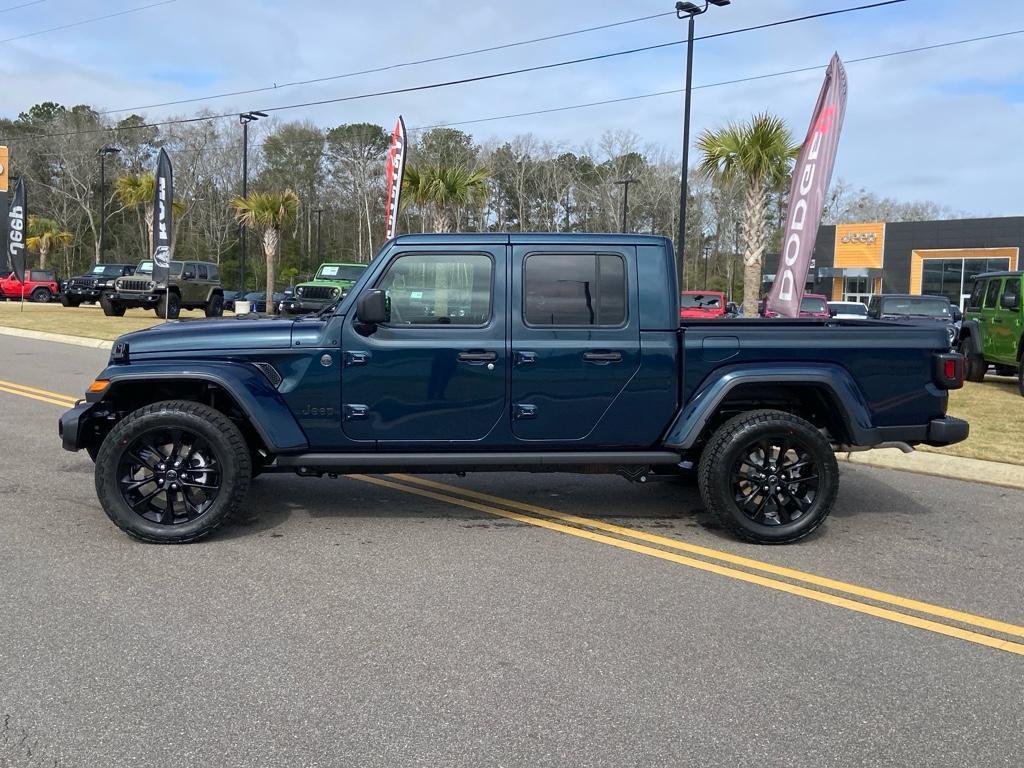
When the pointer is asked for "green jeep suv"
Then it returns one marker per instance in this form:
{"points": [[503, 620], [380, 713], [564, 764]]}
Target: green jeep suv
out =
{"points": [[993, 327], [192, 285], [331, 282]]}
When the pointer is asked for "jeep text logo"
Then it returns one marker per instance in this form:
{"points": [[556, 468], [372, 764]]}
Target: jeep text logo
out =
{"points": [[867, 238], [16, 240]]}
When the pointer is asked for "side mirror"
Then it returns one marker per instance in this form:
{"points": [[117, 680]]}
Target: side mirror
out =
{"points": [[732, 308], [372, 307], [957, 314], [1010, 301]]}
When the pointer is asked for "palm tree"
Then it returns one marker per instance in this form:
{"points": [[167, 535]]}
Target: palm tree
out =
{"points": [[444, 191], [758, 156], [43, 235], [268, 213], [139, 191]]}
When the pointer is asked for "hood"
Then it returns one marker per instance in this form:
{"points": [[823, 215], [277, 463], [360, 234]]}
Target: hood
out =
{"points": [[211, 336]]}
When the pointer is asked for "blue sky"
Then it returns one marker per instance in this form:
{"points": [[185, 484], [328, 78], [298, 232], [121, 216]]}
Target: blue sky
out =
{"points": [[939, 125]]}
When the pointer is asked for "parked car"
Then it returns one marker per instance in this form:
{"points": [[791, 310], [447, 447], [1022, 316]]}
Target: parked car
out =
{"points": [[191, 285], [40, 285], [258, 300], [811, 305], [702, 304], [848, 310], [537, 352], [90, 286], [331, 282], [992, 332], [930, 310]]}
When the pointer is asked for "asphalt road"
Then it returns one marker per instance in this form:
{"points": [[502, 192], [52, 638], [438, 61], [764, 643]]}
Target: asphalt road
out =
{"points": [[345, 623]]}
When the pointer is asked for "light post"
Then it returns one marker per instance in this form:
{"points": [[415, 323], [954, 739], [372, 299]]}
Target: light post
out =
{"points": [[318, 212], [688, 11], [245, 118], [110, 149], [625, 201], [707, 258]]}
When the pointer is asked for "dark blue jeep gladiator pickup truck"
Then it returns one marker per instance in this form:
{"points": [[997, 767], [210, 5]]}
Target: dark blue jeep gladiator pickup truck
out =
{"points": [[488, 352]]}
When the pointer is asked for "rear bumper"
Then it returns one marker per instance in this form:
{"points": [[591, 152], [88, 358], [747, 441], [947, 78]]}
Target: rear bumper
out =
{"points": [[938, 432], [72, 426]]}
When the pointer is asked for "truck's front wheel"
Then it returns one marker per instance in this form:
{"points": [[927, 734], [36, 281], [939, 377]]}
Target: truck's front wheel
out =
{"points": [[768, 476], [172, 472]]}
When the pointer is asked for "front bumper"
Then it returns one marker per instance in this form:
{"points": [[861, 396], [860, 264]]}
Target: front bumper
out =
{"points": [[74, 426], [136, 299], [80, 292], [302, 306]]}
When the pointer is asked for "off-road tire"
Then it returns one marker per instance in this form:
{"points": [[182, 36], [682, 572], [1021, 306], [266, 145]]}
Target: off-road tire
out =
{"points": [[1005, 370], [723, 451], [111, 308], [215, 306], [41, 295], [67, 301], [172, 312], [974, 364], [216, 430]]}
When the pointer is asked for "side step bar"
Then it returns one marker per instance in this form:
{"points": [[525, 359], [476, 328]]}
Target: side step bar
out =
{"points": [[309, 463]]}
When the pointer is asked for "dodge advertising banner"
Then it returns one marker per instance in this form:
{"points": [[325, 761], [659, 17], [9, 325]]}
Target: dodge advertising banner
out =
{"points": [[395, 171], [811, 178], [17, 222], [163, 220]]}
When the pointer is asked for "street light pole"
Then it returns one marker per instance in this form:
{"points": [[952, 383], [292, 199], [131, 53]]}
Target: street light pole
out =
{"points": [[707, 257], [688, 11], [318, 213], [110, 149], [245, 118], [625, 202]]}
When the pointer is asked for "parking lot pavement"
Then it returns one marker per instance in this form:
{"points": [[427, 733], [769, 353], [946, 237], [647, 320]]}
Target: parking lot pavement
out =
{"points": [[391, 622]]}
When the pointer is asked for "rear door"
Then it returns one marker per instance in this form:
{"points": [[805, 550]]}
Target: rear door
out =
{"points": [[435, 374], [989, 319], [575, 337]]}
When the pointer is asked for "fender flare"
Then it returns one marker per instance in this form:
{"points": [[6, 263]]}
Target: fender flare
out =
{"points": [[262, 405], [970, 334], [690, 422]]}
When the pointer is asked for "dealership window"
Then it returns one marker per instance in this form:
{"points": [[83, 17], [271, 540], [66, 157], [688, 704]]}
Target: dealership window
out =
{"points": [[574, 289], [954, 278]]}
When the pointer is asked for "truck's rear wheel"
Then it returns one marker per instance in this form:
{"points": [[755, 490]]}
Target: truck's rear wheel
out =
{"points": [[41, 295], [768, 476], [111, 308], [974, 365], [172, 472]]}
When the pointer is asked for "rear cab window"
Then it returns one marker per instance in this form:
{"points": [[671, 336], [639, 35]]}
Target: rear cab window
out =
{"points": [[574, 290]]}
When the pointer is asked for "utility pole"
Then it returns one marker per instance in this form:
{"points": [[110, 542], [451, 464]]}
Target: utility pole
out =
{"points": [[688, 11], [245, 118], [110, 149], [318, 212], [625, 202]]}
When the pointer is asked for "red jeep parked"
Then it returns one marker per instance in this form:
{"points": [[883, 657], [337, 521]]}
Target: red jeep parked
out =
{"points": [[40, 285], [701, 304]]}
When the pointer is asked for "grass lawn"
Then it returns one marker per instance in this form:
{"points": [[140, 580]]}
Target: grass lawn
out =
{"points": [[86, 320], [995, 411]]}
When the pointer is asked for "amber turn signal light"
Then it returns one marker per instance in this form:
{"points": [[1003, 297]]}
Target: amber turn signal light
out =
{"points": [[99, 385]]}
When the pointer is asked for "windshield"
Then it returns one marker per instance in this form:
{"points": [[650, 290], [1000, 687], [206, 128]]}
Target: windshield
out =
{"points": [[813, 306], [700, 301], [106, 270], [146, 268], [917, 306], [853, 308], [340, 272]]}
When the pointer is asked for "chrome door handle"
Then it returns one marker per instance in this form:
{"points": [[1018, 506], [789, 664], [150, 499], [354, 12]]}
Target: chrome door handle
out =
{"points": [[602, 356], [477, 357]]}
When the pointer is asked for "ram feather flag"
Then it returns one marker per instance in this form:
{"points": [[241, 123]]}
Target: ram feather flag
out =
{"points": [[163, 218], [395, 173], [811, 178]]}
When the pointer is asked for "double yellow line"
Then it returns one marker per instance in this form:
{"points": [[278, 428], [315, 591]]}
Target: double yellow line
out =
{"points": [[980, 630], [43, 395], [914, 613]]}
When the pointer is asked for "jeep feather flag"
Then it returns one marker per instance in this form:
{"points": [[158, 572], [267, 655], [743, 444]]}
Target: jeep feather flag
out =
{"points": [[396, 170], [163, 220], [17, 219], [811, 178]]}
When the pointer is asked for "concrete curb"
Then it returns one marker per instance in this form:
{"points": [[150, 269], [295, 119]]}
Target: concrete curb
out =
{"points": [[60, 338], [941, 465]]}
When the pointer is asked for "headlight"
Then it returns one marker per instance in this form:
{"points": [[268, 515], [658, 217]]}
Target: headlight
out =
{"points": [[335, 293], [299, 291], [951, 332], [150, 285]]}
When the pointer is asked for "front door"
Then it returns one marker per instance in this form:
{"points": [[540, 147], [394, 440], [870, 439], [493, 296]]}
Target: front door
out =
{"points": [[575, 338], [435, 372], [989, 318]]}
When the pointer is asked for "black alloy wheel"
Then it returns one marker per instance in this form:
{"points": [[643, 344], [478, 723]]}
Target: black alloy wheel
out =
{"points": [[173, 471], [41, 295], [768, 476]]}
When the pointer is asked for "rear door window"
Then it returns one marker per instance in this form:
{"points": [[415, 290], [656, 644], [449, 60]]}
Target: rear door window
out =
{"points": [[201, 273], [574, 289]]}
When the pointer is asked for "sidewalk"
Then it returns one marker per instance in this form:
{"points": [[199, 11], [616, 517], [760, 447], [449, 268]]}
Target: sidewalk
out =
{"points": [[940, 465], [61, 338]]}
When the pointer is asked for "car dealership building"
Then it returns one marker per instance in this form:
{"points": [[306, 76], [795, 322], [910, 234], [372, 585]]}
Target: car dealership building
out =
{"points": [[854, 261]]}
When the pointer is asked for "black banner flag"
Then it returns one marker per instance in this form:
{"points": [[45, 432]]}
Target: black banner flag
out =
{"points": [[163, 219]]}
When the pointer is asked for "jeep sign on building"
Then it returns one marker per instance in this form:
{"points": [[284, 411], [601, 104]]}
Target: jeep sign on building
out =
{"points": [[852, 262]]}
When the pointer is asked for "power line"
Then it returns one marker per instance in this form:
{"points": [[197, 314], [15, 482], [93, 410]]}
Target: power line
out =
{"points": [[460, 81], [23, 5], [83, 21], [504, 46], [388, 67]]}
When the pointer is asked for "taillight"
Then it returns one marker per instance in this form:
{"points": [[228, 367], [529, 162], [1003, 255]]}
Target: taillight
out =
{"points": [[949, 370]]}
